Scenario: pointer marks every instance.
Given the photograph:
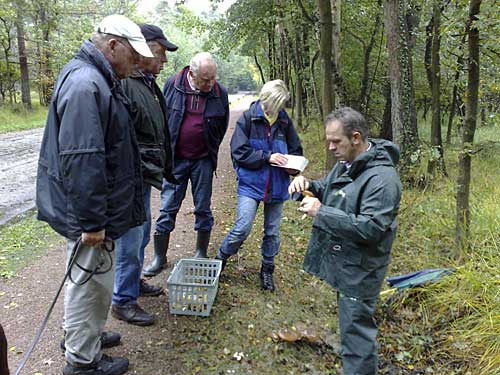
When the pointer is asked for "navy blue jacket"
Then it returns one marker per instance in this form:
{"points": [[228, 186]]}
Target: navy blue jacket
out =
{"points": [[215, 116], [89, 172], [251, 148]]}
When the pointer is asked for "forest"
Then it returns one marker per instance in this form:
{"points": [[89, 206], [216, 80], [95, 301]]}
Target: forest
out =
{"points": [[425, 74]]}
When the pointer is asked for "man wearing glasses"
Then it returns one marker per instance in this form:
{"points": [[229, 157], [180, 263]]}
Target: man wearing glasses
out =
{"points": [[89, 184], [198, 115]]}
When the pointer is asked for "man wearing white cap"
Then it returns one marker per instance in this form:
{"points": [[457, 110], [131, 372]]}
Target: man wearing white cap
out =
{"points": [[89, 185]]}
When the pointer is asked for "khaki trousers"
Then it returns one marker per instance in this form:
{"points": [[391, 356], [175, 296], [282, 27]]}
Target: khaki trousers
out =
{"points": [[86, 306]]}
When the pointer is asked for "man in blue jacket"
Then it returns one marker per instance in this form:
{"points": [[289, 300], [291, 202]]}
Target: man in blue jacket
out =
{"points": [[263, 136], [198, 116], [354, 210], [89, 184]]}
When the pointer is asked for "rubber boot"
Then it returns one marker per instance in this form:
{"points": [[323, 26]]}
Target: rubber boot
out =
{"points": [[202, 240], [159, 262], [266, 277], [224, 262]]}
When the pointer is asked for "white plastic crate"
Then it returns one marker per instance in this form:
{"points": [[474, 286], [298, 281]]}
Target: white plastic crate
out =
{"points": [[192, 286]]}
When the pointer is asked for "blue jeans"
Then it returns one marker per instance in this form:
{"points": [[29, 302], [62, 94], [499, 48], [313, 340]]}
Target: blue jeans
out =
{"points": [[245, 215], [200, 173], [130, 258]]}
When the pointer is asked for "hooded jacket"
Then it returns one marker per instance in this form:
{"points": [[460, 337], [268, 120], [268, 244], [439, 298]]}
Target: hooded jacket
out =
{"points": [[89, 174], [252, 144], [355, 226], [148, 113], [215, 115]]}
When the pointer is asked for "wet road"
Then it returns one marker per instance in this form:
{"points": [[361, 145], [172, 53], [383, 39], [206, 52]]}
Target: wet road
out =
{"points": [[18, 164]]}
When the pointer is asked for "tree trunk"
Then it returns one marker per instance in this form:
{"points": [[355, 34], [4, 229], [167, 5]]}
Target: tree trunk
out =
{"points": [[7, 46], [403, 112], [298, 82], [428, 50], [453, 105], [23, 60], [337, 81], [325, 16], [363, 100], [314, 85], [256, 60], [464, 158], [437, 157], [386, 130], [326, 55], [46, 79]]}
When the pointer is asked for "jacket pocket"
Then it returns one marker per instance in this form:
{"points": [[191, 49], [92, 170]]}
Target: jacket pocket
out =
{"points": [[345, 251], [151, 160]]}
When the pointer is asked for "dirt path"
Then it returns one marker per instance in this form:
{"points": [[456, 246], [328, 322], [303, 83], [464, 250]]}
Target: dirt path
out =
{"points": [[24, 299]]}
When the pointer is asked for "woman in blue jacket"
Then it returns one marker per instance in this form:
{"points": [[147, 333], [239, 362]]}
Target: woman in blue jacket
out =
{"points": [[263, 136]]}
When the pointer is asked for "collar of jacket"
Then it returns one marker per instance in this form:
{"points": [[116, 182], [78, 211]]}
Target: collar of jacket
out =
{"points": [[181, 77], [148, 79], [256, 111], [381, 153], [88, 52]]}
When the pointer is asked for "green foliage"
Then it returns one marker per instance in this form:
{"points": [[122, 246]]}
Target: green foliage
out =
{"points": [[23, 241], [232, 77], [458, 317], [191, 33], [16, 117]]}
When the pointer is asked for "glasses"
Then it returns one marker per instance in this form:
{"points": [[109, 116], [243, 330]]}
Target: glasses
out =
{"points": [[129, 47], [201, 79]]}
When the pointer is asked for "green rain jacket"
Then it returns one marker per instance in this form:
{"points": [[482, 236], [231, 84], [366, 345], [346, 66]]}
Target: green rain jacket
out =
{"points": [[148, 113], [355, 226]]}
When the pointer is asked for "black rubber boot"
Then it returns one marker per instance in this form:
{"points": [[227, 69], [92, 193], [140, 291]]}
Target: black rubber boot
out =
{"points": [[223, 265], [202, 240], [159, 262], [266, 277]]}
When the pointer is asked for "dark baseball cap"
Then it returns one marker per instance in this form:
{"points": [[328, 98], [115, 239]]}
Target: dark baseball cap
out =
{"points": [[152, 32]]}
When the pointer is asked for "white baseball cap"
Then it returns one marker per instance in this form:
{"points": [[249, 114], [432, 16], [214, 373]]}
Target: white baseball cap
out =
{"points": [[119, 25]]}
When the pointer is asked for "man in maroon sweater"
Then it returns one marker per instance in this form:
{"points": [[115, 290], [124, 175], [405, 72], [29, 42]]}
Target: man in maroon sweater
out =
{"points": [[198, 115]]}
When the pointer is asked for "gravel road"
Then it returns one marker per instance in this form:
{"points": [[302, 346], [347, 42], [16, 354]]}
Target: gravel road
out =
{"points": [[18, 163]]}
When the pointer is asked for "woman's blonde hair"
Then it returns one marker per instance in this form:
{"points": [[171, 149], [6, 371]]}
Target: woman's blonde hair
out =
{"points": [[274, 96]]}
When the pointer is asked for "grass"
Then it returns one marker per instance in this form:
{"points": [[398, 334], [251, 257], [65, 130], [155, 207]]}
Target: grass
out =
{"points": [[453, 324], [22, 241], [16, 118], [243, 317], [450, 327]]}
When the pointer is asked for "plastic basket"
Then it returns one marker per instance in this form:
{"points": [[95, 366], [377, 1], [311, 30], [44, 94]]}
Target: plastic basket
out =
{"points": [[192, 286]]}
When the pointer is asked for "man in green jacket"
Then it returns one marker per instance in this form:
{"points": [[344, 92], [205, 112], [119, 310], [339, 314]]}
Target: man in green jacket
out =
{"points": [[149, 120], [354, 210]]}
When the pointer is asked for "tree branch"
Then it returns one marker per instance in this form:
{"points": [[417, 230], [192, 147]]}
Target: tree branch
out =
{"points": [[304, 12]]}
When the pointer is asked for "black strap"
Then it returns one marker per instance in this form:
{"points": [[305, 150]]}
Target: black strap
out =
{"points": [[72, 262], [74, 252]]}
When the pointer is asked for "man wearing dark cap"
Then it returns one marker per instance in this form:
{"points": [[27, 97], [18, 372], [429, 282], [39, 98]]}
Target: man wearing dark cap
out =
{"points": [[148, 117]]}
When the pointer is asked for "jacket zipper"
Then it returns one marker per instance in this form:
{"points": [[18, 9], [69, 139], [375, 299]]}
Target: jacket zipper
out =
{"points": [[268, 183]]}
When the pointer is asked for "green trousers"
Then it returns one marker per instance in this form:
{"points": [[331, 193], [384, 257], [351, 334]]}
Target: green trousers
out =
{"points": [[358, 334]]}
